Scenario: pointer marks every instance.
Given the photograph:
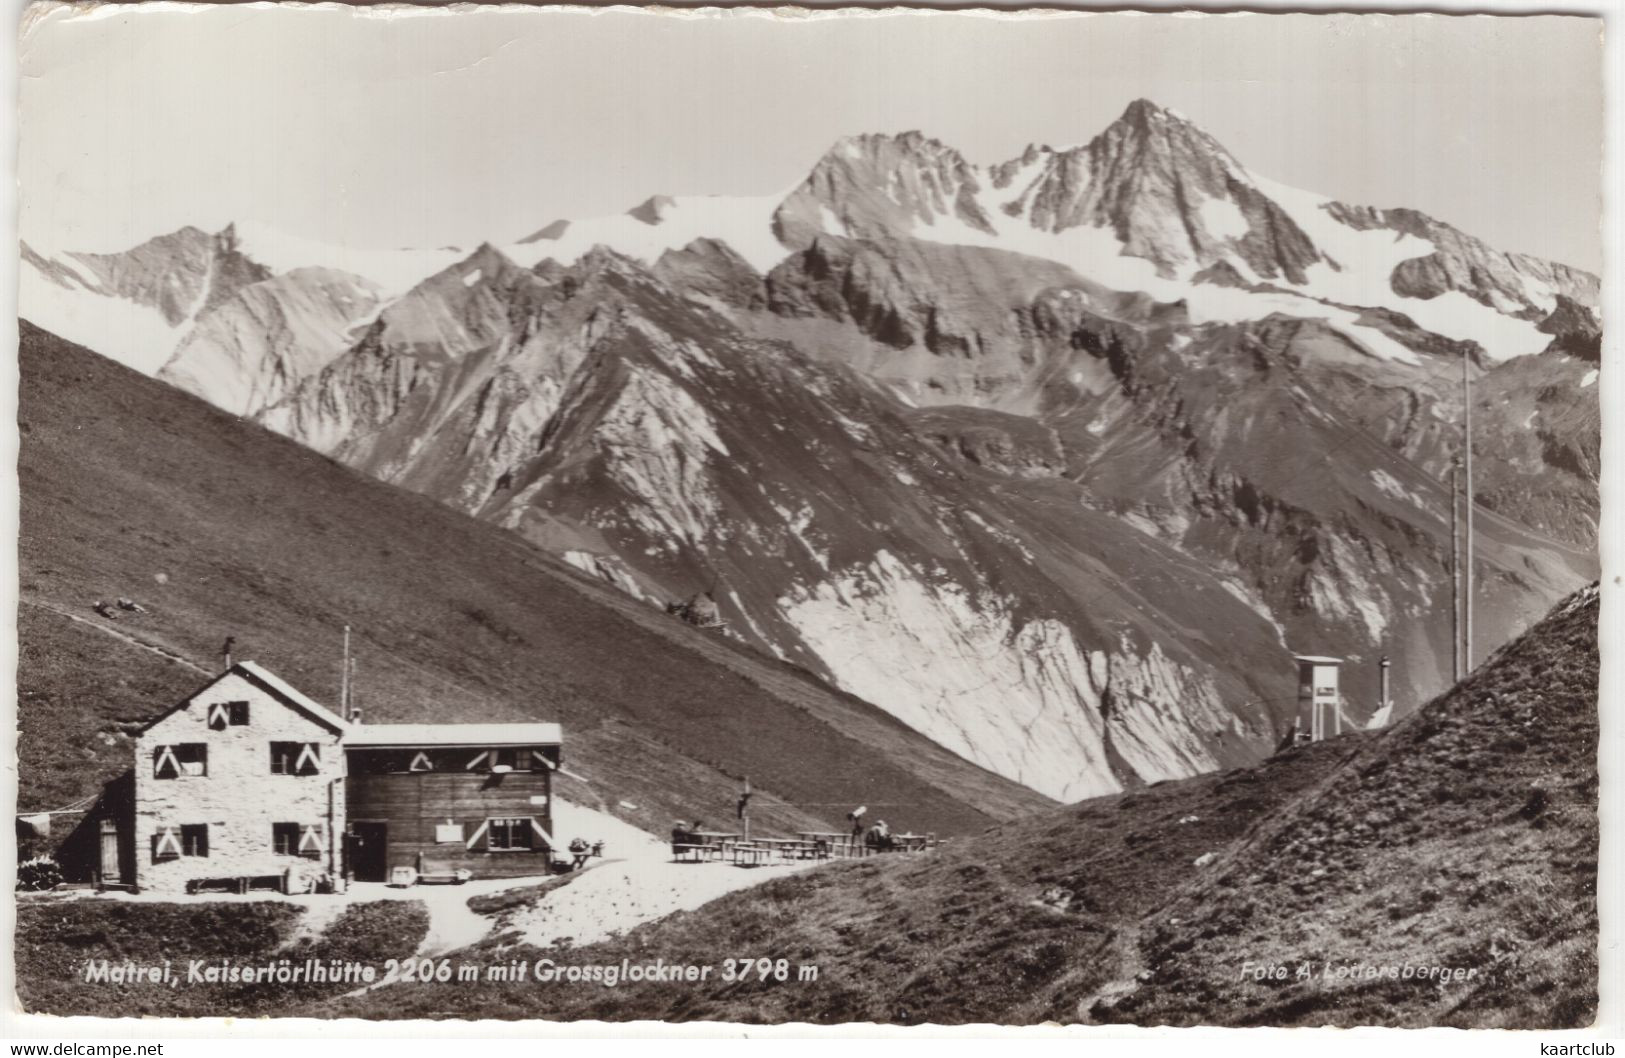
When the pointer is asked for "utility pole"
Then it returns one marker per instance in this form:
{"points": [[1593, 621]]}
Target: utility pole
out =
{"points": [[1455, 567], [1467, 572], [1383, 701]]}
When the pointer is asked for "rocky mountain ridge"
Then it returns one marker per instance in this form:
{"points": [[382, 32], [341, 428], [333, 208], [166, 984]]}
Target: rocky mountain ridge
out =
{"points": [[1055, 460]]}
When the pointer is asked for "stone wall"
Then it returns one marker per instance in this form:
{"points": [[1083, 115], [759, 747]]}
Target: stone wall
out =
{"points": [[239, 798]]}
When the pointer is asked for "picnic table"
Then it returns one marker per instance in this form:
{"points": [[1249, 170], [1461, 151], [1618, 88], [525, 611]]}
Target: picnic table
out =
{"points": [[714, 844], [798, 848], [913, 842], [703, 845], [750, 853]]}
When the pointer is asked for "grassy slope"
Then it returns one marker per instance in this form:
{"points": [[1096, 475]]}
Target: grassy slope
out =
{"points": [[56, 937], [1465, 836], [131, 488]]}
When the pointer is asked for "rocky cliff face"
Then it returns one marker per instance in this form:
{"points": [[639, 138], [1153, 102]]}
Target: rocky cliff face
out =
{"points": [[874, 185], [650, 441], [263, 339], [1054, 460]]}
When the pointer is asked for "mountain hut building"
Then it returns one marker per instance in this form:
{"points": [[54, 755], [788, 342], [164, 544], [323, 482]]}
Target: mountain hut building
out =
{"points": [[251, 784]]}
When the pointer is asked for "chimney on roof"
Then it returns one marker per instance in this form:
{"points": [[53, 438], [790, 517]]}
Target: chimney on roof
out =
{"points": [[231, 641], [352, 707]]}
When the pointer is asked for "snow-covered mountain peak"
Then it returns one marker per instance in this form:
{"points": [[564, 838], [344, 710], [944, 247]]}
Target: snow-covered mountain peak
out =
{"points": [[879, 185], [653, 209], [547, 232]]}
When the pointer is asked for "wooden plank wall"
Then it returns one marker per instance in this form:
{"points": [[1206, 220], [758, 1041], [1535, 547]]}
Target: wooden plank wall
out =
{"points": [[413, 803]]}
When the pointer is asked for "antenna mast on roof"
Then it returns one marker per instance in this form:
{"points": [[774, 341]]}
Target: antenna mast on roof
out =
{"points": [[1455, 568], [344, 677], [1467, 571], [353, 711]]}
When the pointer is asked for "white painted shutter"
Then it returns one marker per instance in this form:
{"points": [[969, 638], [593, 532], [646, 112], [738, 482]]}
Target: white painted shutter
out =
{"points": [[310, 839], [166, 756]]}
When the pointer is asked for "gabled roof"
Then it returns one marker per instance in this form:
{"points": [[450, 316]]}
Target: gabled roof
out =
{"points": [[282, 689], [1316, 659], [271, 684], [409, 736]]}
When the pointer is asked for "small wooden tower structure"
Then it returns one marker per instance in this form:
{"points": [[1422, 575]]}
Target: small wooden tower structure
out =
{"points": [[1320, 712]]}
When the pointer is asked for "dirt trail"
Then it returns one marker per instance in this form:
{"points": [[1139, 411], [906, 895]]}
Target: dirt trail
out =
{"points": [[105, 628]]}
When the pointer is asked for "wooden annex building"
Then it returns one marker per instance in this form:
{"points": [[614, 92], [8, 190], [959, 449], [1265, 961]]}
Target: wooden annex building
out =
{"points": [[248, 782]]}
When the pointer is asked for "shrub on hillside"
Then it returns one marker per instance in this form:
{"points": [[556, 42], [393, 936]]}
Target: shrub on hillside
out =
{"points": [[38, 874]]}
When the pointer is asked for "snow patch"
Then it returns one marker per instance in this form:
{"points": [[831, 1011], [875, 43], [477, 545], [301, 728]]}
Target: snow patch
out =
{"points": [[798, 522], [1368, 259], [1589, 379], [136, 336], [1223, 219], [394, 271], [1255, 604], [610, 569], [1391, 486], [744, 223], [1097, 253]]}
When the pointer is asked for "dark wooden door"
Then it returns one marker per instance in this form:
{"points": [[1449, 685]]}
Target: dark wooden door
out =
{"points": [[369, 852], [110, 871]]}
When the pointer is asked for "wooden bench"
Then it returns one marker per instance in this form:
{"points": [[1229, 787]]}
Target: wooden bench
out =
{"points": [[689, 852]]}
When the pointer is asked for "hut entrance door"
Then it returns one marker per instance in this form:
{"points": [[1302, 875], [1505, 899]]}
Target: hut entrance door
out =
{"points": [[369, 846], [110, 870]]}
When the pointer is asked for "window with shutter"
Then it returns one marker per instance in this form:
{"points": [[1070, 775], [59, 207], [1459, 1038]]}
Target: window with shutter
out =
{"points": [[194, 839], [228, 714], [185, 758], [509, 835], [285, 838], [296, 758], [166, 844], [310, 841]]}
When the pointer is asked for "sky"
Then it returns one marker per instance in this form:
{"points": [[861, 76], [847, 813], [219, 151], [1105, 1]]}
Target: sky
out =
{"points": [[437, 128]]}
